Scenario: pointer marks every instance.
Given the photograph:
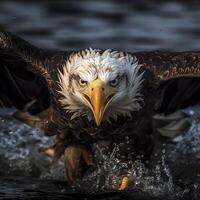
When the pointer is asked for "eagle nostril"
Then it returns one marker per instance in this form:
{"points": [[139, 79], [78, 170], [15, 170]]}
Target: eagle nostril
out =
{"points": [[101, 88]]}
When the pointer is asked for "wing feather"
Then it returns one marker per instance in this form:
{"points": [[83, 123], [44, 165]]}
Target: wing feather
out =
{"points": [[170, 65], [22, 89]]}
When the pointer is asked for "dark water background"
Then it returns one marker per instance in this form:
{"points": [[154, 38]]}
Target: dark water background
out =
{"points": [[125, 25]]}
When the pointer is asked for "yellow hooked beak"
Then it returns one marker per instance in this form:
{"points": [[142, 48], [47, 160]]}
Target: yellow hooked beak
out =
{"points": [[97, 97]]}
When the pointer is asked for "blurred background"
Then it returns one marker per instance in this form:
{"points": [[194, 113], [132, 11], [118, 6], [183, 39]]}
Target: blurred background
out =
{"points": [[118, 24]]}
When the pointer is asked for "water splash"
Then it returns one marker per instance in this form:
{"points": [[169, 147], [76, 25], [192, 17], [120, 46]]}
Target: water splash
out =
{"points": [[107, 175], [19, 154]]}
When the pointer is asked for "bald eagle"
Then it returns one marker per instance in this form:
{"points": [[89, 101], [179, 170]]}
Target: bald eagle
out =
{"points": [[93, 95]]}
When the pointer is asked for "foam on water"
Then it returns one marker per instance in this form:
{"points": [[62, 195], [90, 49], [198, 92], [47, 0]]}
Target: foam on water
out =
{"points": [[19, 154]]}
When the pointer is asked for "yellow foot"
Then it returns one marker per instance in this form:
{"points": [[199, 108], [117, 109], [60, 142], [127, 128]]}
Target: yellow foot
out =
{"points": [[124, 183]]}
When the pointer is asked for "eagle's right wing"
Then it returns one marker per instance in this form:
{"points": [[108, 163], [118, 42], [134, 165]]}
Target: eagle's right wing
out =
{"points": [[22, 89], [175, 79], [25, 79]]}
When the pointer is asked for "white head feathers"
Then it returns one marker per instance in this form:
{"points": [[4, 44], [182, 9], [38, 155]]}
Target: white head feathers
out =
{"points": [[92, 64]]}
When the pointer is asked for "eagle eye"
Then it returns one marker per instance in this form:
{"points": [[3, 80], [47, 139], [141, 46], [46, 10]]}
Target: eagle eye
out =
{"points": [[82, 83], [115, 82]]}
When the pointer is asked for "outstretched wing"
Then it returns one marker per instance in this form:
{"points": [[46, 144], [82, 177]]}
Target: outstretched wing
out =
{"points": [[19, 87], [170, 65], [176, 78], [175, 75], [25, 78]]}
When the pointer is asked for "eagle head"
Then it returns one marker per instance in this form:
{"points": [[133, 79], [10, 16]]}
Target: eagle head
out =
{"points": [[100, 85]]}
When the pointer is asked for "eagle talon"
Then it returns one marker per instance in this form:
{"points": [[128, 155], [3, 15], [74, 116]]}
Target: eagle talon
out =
{"points": [[124, 183]]}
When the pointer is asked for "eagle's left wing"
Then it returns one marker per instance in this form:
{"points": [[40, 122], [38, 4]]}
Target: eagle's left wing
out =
{"points": [[176, 79], [170, 65]]}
